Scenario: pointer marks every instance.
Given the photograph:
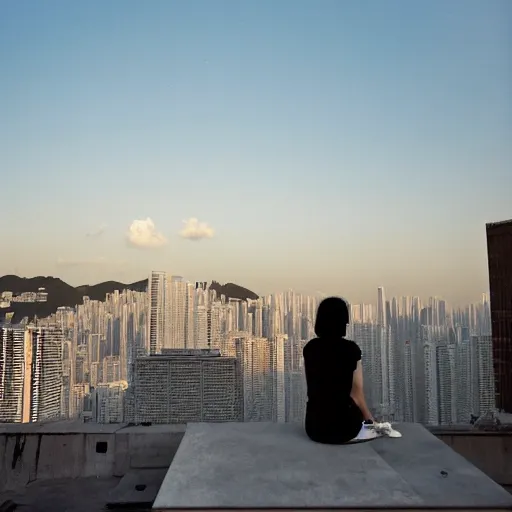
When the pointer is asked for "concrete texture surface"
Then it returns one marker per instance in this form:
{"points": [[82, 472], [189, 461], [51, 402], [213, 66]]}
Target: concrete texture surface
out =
{"points": [[147, 447], [270, 465], [30, 452], [67, 495], [138, 487], [25, 458], [488, 451]]}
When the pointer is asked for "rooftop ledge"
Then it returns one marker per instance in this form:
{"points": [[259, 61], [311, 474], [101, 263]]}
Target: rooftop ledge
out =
{"points": [[268, 465], [272, 465], [76, 427]]}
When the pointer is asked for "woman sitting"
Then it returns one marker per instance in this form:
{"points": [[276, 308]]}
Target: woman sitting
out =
{"points": [[336, 410]]}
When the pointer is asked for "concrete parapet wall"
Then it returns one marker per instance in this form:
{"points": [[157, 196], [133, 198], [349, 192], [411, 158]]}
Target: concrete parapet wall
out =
{"points": [[29, 457], [76, 450], [72, 450], [491, 452], [146, 447]]}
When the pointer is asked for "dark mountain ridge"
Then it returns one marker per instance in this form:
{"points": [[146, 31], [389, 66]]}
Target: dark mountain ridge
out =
{"points": [[62, 294], [233, 291], [98, 291]]}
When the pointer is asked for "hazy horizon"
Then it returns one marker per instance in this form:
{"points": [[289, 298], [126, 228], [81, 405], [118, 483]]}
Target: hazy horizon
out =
{"points": [[332, 146], [317, 293]]}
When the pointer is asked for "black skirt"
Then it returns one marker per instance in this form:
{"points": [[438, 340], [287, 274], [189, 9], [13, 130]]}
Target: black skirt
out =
{"points": [[329, 424]]}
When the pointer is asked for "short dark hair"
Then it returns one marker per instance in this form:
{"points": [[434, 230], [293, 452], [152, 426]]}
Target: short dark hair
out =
{"points": [[332, 318]]}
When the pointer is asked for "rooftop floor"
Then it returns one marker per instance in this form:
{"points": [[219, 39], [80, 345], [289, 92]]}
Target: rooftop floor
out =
{"points": [[69, 495], [46, 467], [272, 465]]}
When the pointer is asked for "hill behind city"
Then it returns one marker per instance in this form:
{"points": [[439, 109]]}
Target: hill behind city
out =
{"points": [[63, 294]]}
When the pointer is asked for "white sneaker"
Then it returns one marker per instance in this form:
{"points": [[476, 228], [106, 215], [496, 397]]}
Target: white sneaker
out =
{"points": [[366, 433], [386, 429]]}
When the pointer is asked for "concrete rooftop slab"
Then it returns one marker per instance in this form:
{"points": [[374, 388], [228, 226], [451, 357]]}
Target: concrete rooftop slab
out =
{"points": [[272, 465]]}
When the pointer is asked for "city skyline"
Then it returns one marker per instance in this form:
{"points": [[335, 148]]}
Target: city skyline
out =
{"points": [[330, 146], [182, 352]]}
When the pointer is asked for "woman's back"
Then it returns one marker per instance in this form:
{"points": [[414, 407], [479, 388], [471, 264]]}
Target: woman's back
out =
{"points": [[331, 415]]}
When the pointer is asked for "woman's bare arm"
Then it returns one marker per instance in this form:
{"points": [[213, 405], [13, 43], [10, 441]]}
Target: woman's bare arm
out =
{"points": [[357, 392]]}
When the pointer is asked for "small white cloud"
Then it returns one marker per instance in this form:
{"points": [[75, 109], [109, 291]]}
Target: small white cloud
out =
{"points": [[195, 230], [98, 232], [142, 233]]}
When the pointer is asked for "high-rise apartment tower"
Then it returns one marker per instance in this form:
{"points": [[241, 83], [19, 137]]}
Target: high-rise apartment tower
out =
{"points": [[499, 252]]}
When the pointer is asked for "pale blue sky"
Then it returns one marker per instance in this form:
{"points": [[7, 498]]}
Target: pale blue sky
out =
{"points": [[332, 145]]}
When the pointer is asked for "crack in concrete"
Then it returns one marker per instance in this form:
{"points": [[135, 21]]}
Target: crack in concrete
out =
{"points": [[18, 449]]}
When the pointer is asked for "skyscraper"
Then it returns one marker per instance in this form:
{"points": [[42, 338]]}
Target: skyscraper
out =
{"points": [[381, 307], [15, 346], [158, 317], [387, 391], [190, 316], [446, 383], [484, 374], [178, 323], [30, 374], [499, 253], [108, 402], [46, 373]]}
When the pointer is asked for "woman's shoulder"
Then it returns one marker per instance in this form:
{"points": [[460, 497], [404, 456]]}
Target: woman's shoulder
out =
{"points": [[343, 344], [353, 347], [311, 344], [351, 342]]}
